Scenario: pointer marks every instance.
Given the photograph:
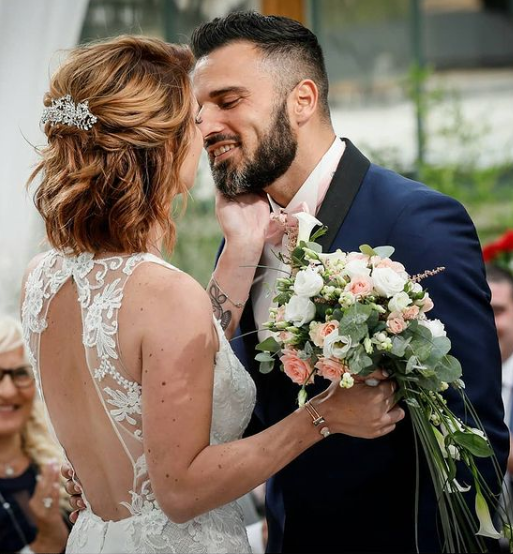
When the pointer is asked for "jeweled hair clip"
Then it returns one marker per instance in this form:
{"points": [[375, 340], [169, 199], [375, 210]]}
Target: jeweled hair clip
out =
{"points": [[64, 110]]}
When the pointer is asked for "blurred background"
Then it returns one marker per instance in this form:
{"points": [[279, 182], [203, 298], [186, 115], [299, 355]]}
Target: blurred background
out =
{"points": [[422, 86]]}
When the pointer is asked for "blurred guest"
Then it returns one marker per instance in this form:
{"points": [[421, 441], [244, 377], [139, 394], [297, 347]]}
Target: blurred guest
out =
{"points": [[31, 499], [501, 286]]}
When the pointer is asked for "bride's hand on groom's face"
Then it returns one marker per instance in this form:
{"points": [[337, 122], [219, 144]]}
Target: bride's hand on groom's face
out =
{"points": [[74, 489], [244, 220], [361, 411]]}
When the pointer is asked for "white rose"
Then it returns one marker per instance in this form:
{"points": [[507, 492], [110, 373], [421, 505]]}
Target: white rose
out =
{"points": [[436, 327], [308, 282], [336, 346], [299, 310], [399, 302], [357, 267], [387, 282]]}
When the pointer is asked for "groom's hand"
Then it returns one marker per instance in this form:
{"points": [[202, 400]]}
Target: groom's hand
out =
{"points": [[74, 489]]}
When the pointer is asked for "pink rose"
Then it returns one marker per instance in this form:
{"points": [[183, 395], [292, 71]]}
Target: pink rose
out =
{"points": [[296, 369], [396, 323], [330, 369], [426, 303], [411, 312], [360, 285], [320, 331]]}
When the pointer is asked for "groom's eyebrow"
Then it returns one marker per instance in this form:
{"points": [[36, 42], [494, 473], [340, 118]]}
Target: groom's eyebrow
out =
{"points": [[221, 92]]}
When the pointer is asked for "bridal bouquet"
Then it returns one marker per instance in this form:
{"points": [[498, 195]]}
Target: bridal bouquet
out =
{"points": [[341, 316]]}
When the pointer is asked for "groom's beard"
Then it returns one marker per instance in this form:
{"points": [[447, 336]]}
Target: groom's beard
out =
{"points": [[271, 160]]}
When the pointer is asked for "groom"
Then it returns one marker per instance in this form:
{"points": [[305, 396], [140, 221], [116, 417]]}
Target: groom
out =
{"points": [[262, 90]]}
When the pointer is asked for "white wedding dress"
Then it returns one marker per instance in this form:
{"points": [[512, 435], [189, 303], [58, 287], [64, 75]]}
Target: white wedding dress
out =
{"points": [[98, 285]]}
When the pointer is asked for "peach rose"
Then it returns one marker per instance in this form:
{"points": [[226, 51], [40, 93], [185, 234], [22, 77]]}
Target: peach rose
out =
{"points": [[396, 323], [319, 331], [387, 262], [427, 303], [295, 368], [411, 312], [330, 369], [360, 285]]}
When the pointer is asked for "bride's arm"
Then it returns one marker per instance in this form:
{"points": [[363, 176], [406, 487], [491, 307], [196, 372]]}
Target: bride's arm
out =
{"points": [[189, 476], [244, 223]]}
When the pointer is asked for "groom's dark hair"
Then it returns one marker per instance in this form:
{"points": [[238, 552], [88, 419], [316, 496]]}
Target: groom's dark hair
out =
{"points": [[293, 49]]}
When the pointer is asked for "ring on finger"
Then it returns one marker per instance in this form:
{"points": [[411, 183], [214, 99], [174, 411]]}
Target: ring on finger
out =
{"points": [[47, 502]]}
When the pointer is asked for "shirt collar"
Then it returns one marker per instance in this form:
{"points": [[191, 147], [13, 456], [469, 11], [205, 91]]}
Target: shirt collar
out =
{"points": [[309, 191], [507, 371]]}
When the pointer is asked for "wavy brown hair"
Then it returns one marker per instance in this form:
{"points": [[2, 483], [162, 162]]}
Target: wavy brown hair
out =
{"points": [[104, 189]]}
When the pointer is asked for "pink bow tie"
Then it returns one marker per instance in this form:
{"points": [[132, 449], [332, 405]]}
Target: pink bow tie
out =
{"points": [[282, 222]]}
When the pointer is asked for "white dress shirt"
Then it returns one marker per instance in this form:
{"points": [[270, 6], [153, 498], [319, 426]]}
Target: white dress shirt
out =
{"points": [[507, 389]]}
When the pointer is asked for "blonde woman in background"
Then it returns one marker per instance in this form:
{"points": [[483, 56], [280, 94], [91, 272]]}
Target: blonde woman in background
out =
{"points": [[32, 500]]}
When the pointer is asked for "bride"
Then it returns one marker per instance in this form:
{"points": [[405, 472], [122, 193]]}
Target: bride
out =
{"points": [[140, 384]]}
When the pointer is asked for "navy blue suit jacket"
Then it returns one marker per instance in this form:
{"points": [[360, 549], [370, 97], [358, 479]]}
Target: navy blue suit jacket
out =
{"points": [[347, 494]]}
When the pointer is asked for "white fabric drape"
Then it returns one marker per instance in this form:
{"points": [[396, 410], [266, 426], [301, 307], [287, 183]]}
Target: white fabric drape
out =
{"points": [[31, 33]]}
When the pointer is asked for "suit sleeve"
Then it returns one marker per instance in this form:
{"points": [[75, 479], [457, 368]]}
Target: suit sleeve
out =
{"points": [[435, 230]]}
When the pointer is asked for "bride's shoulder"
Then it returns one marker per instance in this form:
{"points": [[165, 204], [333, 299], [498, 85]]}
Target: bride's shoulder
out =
{"points": [[162, 287]]}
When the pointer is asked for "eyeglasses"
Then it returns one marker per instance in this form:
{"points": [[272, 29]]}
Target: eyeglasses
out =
{"points": [[21, 377]]}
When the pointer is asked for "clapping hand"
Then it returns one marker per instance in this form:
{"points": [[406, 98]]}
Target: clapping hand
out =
{"points": [[52, 532]]}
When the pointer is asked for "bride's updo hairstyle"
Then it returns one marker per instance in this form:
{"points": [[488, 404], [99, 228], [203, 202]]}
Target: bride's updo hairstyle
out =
{"points": [[105, 188]]}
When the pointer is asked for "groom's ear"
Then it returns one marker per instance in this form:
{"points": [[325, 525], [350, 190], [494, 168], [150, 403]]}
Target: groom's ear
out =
{"points": [[304, 97]]}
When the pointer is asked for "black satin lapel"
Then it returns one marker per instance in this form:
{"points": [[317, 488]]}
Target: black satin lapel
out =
{"points": [[343, 189]]}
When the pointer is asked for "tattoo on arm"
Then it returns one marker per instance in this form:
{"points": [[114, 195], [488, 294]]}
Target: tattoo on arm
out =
{"points": [[218, 299]]}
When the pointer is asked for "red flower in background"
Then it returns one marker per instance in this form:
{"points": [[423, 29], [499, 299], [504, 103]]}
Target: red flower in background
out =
{"points": [[501, 250]]}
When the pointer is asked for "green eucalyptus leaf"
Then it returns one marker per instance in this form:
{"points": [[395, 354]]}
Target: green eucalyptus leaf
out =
{"points": [[384, 251], [441, 347], [338, 314], [373, 321], [475, 444], [448, 369], [266, 367], [420, 348], [308, 350], [264, 357], [367, 250], [269, 345], [429, 383], [399, 345]]}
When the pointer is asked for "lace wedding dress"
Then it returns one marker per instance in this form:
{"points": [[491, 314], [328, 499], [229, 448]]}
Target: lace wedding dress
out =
{"points": [[98, 286]]}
